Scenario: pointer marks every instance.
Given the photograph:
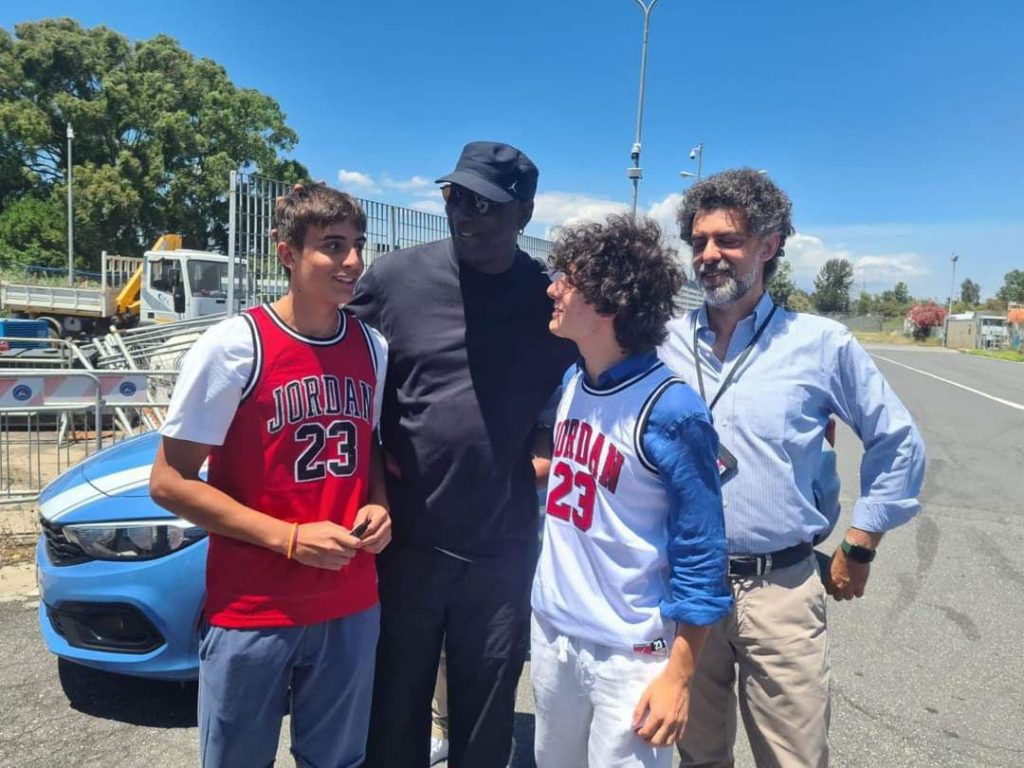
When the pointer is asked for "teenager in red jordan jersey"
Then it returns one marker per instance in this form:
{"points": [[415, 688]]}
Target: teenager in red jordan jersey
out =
{"points": [[283, 401]]}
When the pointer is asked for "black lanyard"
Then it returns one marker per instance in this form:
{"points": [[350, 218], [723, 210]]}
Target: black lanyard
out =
{"points": [[739, 361]]}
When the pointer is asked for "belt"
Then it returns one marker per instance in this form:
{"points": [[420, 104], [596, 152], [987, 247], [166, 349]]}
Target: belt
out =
{"points": [[745, 566]]}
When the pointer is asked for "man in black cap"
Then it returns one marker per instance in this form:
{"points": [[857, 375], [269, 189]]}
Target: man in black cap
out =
{"points": [[470, 366]]}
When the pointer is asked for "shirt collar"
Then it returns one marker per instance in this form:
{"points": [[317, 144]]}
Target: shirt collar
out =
{"points": [[623, 370]]}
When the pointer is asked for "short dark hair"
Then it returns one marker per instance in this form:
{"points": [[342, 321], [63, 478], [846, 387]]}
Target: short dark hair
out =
{"points": [[765, 208], [623, 270], [314, 205]]}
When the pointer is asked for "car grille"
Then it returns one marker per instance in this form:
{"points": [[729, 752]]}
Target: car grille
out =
{"points": [[111, 627], [60, 550]]}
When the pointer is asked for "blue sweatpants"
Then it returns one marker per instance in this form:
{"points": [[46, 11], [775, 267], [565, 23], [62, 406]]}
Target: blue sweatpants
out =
{"points": [[248, 676]]}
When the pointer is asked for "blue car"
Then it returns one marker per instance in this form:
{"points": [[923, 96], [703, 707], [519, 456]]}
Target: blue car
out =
{"points": [[121, 580]]}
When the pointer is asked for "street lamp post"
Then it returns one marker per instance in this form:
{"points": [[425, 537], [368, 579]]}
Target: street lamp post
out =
{"points": [[635, 173], [697, 153], [71, 221]]}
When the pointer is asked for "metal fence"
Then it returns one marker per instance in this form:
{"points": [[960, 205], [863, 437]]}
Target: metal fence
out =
{"points": [[51, 420], [388, 228]]}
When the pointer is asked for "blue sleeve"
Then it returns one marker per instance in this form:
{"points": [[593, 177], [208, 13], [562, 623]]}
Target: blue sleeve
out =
{"points": [[892, 468], [681, 442]]}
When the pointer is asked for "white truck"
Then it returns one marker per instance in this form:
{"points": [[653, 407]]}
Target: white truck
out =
{"points": [[167, 284]]}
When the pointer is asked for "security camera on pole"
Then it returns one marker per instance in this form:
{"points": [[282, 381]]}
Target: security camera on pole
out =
{"points": [[635, 172], [697, 153]]}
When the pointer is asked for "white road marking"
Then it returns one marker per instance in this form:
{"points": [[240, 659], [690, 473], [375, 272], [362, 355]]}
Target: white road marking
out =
{"points": [[1018, 406]]}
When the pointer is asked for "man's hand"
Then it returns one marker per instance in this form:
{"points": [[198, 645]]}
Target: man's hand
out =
{"points": [[848, 577], [378, 533], [660, 717], [325, 545]]}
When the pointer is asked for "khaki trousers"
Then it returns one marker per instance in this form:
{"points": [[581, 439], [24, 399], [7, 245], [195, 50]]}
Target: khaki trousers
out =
{"points": [[439, 704], [773, 653]]}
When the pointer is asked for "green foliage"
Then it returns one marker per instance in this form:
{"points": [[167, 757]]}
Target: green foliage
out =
{"points": [[781, 285], [32, 231], [832, 286], [901, 293], [970, 292], [1013, 287], [157, 132], [866, 304], [800, 301]]}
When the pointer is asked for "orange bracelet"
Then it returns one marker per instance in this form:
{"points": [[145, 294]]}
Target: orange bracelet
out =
{"points": [[294, 537]]}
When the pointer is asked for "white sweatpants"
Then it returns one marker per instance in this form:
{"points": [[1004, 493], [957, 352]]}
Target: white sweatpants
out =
{"points": [[585, 695]]}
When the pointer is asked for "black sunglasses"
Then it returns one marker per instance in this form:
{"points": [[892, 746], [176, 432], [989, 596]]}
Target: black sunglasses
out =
{"points": [[456, 196]]}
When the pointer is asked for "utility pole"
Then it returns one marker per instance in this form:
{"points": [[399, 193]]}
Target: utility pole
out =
{"points": [[952, 285], [71, 220], [635, 172]]}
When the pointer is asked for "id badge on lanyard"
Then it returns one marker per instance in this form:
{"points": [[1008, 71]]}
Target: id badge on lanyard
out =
{"points": [[728, 467]]}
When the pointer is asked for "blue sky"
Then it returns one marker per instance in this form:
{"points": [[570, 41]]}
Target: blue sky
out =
{"points": [[896, 127]]}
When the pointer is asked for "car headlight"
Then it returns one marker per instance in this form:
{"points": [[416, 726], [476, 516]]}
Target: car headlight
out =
{"points": [[134, 540]]}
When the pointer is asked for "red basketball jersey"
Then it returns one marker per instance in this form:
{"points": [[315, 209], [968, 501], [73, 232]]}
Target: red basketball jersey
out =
{"points": [[298, 449]]}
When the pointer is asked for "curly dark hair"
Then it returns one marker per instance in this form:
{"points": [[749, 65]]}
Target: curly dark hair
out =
{"points": [[766, 209], [623, 269]]}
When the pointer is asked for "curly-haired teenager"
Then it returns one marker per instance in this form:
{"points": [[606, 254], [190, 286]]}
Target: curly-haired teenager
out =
{"points": [[632, 570]]}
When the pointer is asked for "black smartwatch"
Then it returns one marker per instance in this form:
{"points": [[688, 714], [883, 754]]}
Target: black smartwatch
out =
{"points": [[857, 553]]}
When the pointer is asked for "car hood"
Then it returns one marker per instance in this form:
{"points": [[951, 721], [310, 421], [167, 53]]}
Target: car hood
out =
{"points": [[112, 484]]}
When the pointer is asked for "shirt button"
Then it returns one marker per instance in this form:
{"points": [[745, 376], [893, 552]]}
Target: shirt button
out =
{"points": [[725, 422], [725, 504]]}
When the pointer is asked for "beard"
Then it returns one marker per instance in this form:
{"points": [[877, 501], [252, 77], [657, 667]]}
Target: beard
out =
{"points": [[731, 288]]}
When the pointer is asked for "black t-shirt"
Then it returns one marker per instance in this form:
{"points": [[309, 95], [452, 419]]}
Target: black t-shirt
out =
{"points": [[471, 364]]}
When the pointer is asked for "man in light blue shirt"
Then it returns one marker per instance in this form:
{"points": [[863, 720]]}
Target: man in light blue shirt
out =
{"points": [[772, 378]]}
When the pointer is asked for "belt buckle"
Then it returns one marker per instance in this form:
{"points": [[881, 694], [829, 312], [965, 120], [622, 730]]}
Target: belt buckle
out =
{"points": [[764, 566]]}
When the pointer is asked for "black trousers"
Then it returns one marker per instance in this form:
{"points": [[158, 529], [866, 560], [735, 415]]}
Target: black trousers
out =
{"points": [[480, 610]]}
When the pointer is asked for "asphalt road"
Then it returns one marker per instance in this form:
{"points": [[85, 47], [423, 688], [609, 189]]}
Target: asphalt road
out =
{"points": [[928, 668]]}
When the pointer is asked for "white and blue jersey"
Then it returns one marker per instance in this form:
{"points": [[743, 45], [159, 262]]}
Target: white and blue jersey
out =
{"points": [[634, 538]]}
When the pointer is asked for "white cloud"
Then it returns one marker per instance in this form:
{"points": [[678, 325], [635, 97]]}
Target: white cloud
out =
{"points": [[558, 208], [428, 206], [808, 254], [358, 180], [416, 184]]}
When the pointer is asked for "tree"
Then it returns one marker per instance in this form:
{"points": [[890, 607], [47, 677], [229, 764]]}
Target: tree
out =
{"points": [[1013, 287], [924, 317], [901, 293], [832, 286], [889, 305], [970, 292], [781, 285], [866, 304], [33, 231], [800, 301], [157, 132]]}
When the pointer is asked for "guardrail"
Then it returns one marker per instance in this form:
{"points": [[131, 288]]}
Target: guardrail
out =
{"points": [[51, 420]]}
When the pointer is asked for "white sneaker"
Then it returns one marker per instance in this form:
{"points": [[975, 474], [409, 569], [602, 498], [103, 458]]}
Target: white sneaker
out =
{"points": [[438, 750]]}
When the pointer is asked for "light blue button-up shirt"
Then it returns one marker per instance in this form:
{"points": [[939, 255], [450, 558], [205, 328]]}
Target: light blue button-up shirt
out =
{"points": [[772, 418]]}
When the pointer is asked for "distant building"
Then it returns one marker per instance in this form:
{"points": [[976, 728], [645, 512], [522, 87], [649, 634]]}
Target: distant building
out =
{"points": [[977, 330]]}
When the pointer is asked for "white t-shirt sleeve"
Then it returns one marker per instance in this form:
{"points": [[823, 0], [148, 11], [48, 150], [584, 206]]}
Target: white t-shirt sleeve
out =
{"points": [[209, 387], [380, 357]]}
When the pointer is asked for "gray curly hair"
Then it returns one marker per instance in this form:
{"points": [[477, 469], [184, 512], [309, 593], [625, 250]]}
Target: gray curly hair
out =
{"points": [[765, 208]]}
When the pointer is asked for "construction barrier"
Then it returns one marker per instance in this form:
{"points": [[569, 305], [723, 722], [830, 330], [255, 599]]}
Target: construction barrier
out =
{"points": [[51, 420]]}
